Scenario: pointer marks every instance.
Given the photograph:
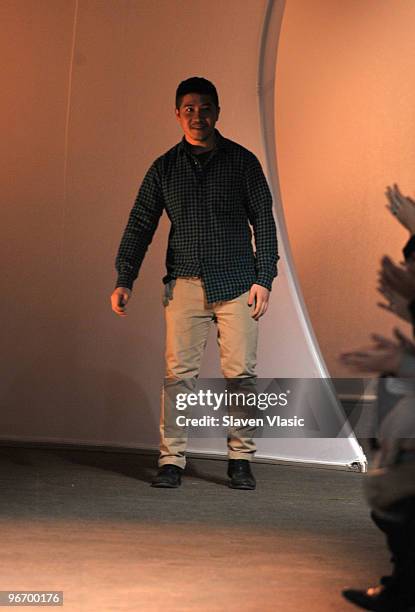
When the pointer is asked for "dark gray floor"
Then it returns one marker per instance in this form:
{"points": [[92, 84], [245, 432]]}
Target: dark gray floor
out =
{"points": [[88, 523]]}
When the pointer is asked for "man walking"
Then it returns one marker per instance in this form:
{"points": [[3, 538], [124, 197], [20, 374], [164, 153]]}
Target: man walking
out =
{"points": [[213, 191]]}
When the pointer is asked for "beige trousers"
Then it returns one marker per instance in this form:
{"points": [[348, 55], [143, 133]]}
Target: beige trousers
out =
{"points": [[188, 319]]}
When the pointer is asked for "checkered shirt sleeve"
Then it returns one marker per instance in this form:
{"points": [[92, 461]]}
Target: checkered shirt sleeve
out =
{"points": [[139, 232], [259, 206]]}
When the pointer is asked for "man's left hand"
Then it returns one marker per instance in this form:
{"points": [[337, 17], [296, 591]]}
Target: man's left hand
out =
{"points": [[259, 296]]}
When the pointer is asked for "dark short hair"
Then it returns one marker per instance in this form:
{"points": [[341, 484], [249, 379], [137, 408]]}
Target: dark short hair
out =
{"points": [[196, 85]]}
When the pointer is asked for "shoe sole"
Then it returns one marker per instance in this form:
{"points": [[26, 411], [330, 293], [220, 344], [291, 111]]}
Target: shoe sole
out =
{"points": [[242, 487], [164, 485]]}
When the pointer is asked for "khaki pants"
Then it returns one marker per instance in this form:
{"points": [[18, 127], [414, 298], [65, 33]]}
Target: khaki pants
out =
{"points": [[188, 319]]}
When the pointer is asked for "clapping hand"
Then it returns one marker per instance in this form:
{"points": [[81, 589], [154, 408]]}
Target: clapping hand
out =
{"points": [[395, 302], [402, 207], [384, 356], [398, 279]]}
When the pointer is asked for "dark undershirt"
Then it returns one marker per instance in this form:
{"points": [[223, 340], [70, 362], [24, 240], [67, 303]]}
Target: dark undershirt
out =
{"points": [[203, 157]]}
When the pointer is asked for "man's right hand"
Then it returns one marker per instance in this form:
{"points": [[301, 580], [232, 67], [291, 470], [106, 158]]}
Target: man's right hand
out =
{"points": [[119, 299]]}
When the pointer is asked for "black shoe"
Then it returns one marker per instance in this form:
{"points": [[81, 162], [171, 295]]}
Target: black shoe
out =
{"points": [[379, 598], [169, 476], [239, 472]]}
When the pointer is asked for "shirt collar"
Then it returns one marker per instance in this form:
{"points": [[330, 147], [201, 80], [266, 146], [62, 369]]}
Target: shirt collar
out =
{"points": [[220, 143]]}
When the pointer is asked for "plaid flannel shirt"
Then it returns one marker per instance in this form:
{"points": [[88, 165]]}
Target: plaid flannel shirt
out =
{"points": [[212, 207]]}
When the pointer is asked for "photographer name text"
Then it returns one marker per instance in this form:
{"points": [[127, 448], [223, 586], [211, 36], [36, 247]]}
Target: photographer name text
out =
{"points": [[232, 421]]}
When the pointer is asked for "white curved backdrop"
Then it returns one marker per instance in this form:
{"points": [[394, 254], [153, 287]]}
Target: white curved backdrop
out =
{"points": [[88, 104]]}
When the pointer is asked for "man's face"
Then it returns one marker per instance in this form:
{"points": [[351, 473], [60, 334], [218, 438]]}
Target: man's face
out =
{"points": [[197, 115]]}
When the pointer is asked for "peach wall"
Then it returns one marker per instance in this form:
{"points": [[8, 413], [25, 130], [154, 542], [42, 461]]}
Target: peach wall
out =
{"points": [[35, 50], [345, 120]]}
